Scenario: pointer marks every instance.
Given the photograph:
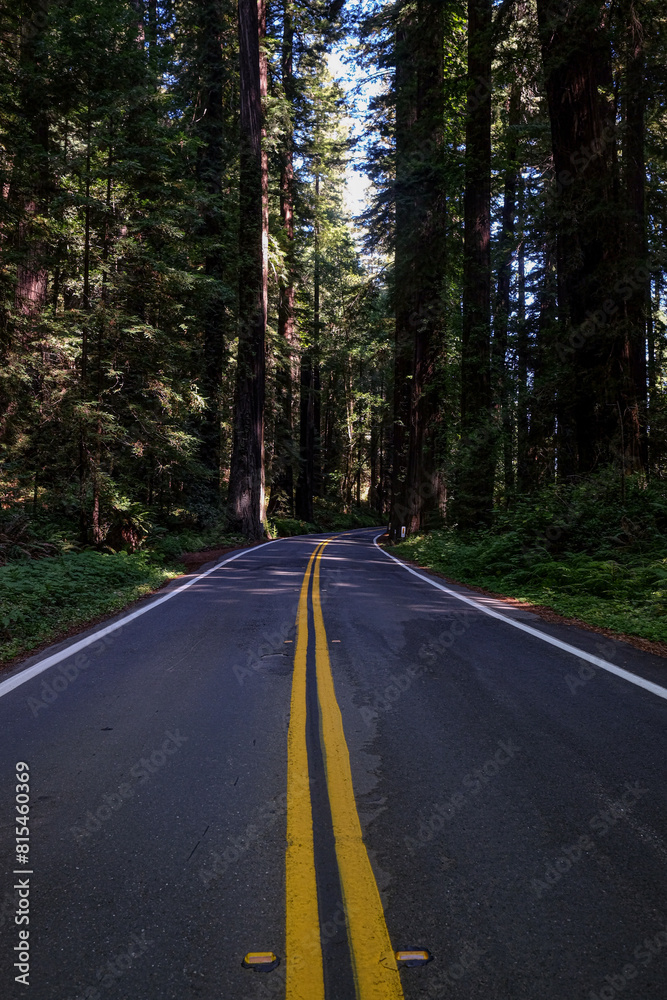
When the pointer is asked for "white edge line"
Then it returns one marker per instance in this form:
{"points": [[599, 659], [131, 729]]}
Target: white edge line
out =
{"points": [[565, 646], [37, 668]]}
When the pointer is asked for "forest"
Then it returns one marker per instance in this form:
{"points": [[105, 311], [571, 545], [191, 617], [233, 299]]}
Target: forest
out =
{"points": [[198, 334]]}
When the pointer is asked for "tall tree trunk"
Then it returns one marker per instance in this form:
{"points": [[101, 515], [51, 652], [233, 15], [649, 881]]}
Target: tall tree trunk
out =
{"points": [[522, 396], [210, 166], [264, 94], [431, 264], [404, 268], [287, 336], [538, 465], [420, 259], [317, 394], [375, 460], [476, 461], [656, 440], [576, 54], [633, 372], [502, 309], [305, 483], [31, 177], [246, 476], [310, 470]]}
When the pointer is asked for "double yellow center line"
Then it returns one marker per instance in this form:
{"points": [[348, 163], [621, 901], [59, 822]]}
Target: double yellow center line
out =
{"points": [[374, 966]]}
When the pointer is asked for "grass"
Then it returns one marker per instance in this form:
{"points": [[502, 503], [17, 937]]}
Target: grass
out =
{"points": [[581, 551]]}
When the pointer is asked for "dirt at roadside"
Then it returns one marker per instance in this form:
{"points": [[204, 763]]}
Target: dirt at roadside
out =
{"points": [[195, 560]]}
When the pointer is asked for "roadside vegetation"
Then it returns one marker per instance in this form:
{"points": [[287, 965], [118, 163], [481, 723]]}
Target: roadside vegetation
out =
{"points": [[586, 551], [326, 518]]}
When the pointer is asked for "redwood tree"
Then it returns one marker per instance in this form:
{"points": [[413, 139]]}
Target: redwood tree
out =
{"points": [[576, 56], [420, 258], [246, 476], [475, 472]]}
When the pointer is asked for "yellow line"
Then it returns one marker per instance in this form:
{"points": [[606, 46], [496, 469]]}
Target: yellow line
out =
{"points": [[303, 962], [375, 971]]}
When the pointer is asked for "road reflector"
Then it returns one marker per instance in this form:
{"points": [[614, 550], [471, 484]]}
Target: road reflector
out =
{"points": [[413, 957], [263, 961]]}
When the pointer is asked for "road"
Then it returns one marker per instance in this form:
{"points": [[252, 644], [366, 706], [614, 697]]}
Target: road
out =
{"points": [[313, 752]]}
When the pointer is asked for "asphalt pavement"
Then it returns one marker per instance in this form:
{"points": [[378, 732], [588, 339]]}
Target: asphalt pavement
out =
{"points": [[404, 770]]}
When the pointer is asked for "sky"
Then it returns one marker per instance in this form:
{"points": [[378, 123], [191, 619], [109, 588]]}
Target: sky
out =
{"points": [[351, 76]]}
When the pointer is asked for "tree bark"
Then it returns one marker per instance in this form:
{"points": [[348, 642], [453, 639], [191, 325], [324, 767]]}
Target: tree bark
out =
{"points": [[210, 167], [576, 56], [522, 396], [264, 93], [246, 477], [503, 301], [538, 463], [431, 263], [420, 259], [633, 372], [404, 269], [287, 335], [305, 483], [310, 473], [31, 181], [476, 460]]}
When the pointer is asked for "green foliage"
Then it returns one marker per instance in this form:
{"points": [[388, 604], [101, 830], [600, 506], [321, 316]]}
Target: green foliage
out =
{"points": [[17, 541], [288, 527], [330, 518], [170, 545], [327, 518]]}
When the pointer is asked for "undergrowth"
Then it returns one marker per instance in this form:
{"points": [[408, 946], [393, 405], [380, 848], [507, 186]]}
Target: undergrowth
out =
{"points": [[326, 518]]}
